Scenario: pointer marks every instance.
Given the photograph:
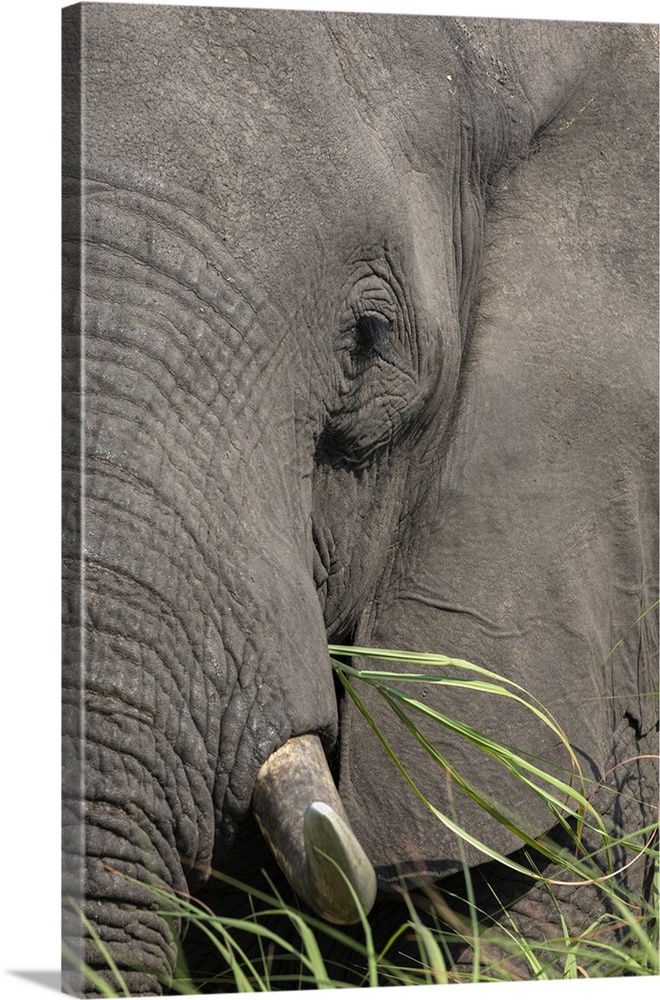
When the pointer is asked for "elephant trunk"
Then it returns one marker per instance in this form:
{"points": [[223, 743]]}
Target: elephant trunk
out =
{"points": [[301, 816], [116, 883], [195, 643]]}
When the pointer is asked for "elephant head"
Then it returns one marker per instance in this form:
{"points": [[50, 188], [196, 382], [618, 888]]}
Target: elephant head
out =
{"points": [[360, 347]]}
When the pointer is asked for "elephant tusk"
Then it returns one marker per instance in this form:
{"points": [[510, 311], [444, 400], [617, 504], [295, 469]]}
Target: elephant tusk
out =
{"points": [[300, 815]]}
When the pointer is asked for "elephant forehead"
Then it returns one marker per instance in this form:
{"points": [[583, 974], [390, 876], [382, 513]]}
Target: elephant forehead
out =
{"points": [[338, 73], [271, 113], [240, 77]]}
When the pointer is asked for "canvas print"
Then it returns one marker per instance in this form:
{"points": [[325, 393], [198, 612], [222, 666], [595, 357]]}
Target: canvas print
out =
{"points": [[360, 499]]}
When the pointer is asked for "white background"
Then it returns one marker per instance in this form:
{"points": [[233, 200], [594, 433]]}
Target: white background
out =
{"points": [[29, 466]]}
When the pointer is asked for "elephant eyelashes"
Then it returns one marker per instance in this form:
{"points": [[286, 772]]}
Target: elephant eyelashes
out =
{"points": [[372, 335]]}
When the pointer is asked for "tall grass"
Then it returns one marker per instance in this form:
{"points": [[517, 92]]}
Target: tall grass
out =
{"points": [[272, 935]]}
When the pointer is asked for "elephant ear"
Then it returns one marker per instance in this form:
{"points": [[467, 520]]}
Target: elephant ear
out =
{"points": [[532, 547]]}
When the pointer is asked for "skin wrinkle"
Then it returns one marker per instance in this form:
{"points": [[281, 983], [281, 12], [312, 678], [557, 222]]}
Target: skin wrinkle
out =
{"points": [[162, 809], [346, 574], [156, 831], [156, 383], [125, 576], [186, 744], [179, 330], [112, 460], [196, 235], [187, 356], [153, 648], [168, 791], [176, 620], [119, 473], [198, 527], [491, 627], [164, 948], [110, 826]]}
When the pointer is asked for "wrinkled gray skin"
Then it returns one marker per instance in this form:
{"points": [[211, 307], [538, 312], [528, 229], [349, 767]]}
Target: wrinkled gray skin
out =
{"points": [[370, 323]]}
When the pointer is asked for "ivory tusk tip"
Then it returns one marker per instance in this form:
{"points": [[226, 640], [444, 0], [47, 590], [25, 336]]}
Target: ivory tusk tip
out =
{"points": [[342, 872]]}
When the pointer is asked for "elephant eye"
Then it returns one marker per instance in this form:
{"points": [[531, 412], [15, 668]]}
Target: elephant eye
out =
{"points": [[372, 334], [375, 386]]}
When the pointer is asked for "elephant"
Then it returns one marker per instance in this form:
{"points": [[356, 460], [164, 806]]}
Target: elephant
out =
{"points": [[360, 348]]}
